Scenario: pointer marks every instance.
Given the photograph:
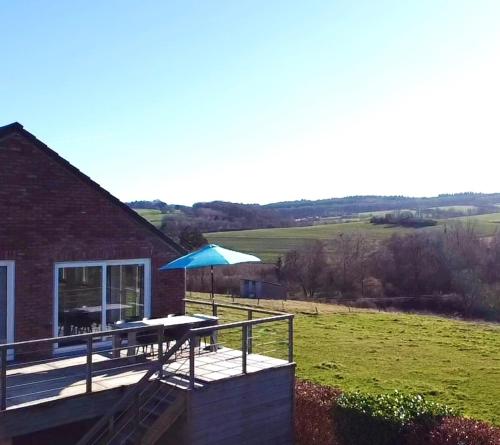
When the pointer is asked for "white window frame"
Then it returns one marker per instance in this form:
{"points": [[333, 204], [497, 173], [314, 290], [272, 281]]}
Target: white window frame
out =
{"points": [[146, 262], [11, 292]]}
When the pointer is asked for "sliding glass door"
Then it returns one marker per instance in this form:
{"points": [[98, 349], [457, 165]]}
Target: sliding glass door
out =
{"points": [[3, 304], [6, 302], [91, 297], [79, 299], [124, 293]]}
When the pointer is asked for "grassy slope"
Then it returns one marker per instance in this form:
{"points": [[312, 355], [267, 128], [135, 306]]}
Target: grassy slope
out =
{"points": [[450, 361], [270, 243], [152, 215]]}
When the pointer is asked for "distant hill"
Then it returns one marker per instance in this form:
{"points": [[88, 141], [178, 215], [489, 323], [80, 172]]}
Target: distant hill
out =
{"points": [[219, 216], [352, 205], [213, 216]]}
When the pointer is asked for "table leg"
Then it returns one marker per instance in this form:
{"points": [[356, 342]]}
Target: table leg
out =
{"points": [[132, 342], [213, 340], [117, 342]]}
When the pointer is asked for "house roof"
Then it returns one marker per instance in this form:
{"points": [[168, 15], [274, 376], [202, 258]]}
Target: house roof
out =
{"points": [[16, 127]]}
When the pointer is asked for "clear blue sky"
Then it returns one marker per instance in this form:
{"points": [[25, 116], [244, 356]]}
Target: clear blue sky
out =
{"points": [[260, 101]]}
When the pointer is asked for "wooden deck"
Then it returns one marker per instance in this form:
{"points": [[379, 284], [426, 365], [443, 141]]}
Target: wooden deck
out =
{"points": [[60, 378], [250, 393]]}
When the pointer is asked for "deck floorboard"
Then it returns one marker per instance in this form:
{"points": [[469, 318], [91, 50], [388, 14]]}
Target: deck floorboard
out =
{"points": [[61, 377]]}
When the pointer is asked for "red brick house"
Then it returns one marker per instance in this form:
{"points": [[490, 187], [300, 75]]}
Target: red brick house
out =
{"points": [[73, 258]]}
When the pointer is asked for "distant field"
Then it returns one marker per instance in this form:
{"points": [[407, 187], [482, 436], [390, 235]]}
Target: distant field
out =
{"points": [[450, 361], [152, 215], [486, 224], [464, 209], [271, 243], [383, 212]]}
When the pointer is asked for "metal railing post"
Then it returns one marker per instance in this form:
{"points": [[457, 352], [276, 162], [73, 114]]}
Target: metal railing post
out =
{"points": [[89, 365], [3, 379], [191, 361], [215, 311], [111, 426], [160, 351], [244, 348], [290, 339], [250, 332]]}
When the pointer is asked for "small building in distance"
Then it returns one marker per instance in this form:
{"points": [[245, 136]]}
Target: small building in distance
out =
{"points": [[262, 289]]}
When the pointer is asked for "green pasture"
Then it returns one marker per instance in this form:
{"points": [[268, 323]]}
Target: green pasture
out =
{"points": [[271, 243], [450, 361], [457, 208], [152, 215]]}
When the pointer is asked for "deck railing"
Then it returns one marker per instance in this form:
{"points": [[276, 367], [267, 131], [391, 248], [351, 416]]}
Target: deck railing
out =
{"points": [[238, 336]]}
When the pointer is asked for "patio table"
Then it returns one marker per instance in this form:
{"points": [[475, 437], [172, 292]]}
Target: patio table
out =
{"points": [[109, 307], [179, 321]]}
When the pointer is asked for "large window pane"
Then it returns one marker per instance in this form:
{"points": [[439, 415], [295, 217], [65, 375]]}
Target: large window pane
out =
{"points": [[124, 293], [80, 299], [3, 304]]}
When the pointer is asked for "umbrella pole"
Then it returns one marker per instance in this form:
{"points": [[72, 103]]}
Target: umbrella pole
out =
{"points": [[212, 278]]}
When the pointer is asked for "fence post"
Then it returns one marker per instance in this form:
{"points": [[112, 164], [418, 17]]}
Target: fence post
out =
{"points": [[290, 339], [191, 361], [214, 308], [3, 379], [89, 364], [250, 332], [244, 348]]}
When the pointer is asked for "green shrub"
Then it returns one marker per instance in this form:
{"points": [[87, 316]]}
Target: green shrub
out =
{"points": [[366, 419]]}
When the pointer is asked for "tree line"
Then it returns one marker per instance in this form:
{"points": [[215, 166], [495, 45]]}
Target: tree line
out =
{"points": [[456, 261], [217, 216], [351, 205]]}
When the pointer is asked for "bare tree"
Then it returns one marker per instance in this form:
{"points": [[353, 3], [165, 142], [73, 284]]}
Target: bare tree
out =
{"points": [[465, 257], [306, 266], [350, 261]]}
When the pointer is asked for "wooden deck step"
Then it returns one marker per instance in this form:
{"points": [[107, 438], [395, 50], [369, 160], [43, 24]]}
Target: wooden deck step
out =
{"points": [[159, 406], [163, 419]]}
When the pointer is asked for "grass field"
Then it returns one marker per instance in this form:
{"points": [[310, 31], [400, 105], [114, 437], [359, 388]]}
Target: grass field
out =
{"points": [[449, 361], [271, 243], [463, 209], [152, 215]]}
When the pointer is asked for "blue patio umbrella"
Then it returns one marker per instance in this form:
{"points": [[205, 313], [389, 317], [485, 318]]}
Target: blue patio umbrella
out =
{"points": [[210, 255]]}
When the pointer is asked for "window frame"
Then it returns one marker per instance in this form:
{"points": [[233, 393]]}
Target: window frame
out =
{"points": [[146, 262], [11, 302]]}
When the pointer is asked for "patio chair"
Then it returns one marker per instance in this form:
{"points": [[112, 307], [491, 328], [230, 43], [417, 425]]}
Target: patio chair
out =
{"points": [[175, 334], [209, 338], [82, 322], [145, 340]]}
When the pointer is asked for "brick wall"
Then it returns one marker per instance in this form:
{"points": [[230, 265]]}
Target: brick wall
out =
{"points": [[51, 214]]}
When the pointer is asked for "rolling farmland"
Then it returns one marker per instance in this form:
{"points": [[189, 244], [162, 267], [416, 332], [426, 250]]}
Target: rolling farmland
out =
{"points": [[152, 215], [271, 243]]}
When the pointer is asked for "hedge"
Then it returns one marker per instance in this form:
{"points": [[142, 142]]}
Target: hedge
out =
{"points": [[313, 408], [325, 416]]}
